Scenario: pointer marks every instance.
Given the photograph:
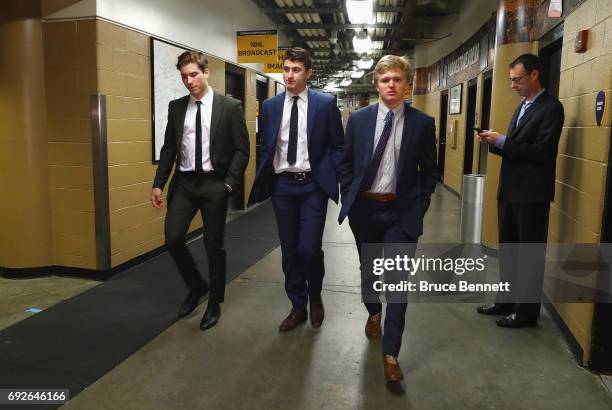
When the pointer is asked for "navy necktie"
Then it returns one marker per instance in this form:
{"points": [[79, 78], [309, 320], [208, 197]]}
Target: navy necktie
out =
{"points": [[524, 109], [198, 141], [293, 132], [372, 168]]}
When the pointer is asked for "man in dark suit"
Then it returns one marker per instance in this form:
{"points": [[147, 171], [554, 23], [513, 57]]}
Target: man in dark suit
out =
{"points": [[207, 142], [387, 176], [526, 188], [299, 156]]}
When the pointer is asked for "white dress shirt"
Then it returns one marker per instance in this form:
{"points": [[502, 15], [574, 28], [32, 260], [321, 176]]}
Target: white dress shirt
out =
{"points": [[187, 160], [282, 144], [386, 178]]}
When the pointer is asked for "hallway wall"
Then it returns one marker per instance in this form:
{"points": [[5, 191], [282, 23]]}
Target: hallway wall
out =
{"points": [[25, 209], [69, 81], [471, 15], [576, 214], [209, 26], [83, 56], [114, 61], [430, 104]]}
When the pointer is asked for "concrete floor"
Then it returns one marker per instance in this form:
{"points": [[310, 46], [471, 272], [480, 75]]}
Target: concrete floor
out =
{"points": [[452, 358]]}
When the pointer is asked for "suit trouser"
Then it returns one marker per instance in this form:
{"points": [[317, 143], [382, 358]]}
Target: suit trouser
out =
{"points": [[523, 231], [206, 193], [374, 222], [300, 208]]}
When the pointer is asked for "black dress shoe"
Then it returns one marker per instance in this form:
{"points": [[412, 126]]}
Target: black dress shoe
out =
{"points": [[193, 300], [211, 317], [493, 310], [514, 321]]}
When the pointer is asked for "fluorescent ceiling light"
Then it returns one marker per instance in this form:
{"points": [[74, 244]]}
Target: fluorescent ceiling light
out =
{"points": [[362, 43], [365, 63], [360, 11], [357, 74], [346, 82]]}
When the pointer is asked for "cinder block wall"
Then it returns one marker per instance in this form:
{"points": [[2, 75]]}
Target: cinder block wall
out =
{"points": [[124, 76], [70, 79], [576, 214], [83, 58]]}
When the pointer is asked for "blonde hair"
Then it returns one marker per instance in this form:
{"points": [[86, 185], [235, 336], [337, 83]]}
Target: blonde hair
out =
{"points": [[388, 62]]}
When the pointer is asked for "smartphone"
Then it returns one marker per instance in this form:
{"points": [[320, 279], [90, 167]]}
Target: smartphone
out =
{"points": [[478, 130]]}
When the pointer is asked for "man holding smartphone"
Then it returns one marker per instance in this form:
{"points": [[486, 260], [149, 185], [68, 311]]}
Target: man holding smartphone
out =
{"points": [[526, 188]]}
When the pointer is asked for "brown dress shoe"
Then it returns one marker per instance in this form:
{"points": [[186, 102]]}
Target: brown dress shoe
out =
{"points": [[393, 372], [372, 327], [317, 314], [294, 319]]}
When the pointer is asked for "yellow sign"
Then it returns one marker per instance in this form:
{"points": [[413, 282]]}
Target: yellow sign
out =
{"points": [[276, 66], [257, 46]]}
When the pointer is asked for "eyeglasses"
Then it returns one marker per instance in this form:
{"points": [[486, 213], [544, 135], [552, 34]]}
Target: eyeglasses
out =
{"points": [[517, 80]]}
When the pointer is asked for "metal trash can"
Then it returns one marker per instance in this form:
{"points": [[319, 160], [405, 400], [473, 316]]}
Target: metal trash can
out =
{"points": [[471, 208]]}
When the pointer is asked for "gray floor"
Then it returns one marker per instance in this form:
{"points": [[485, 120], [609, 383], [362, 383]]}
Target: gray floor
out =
{"points": [[451, 357]]}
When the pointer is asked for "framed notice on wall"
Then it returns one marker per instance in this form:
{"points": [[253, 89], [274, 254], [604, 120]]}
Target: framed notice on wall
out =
{"points": [[455, 99], [167, 86]]}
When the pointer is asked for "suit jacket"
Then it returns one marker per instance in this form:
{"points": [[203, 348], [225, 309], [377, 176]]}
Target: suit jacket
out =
{"points": [[229, 142], [530, 152], [416, 168], [325, 141]]}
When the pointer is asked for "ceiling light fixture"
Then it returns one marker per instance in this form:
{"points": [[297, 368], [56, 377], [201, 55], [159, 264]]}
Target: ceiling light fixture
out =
{"points": [[357, 74], [360, 11], [365, 63], [362, 43], [346, 82]]}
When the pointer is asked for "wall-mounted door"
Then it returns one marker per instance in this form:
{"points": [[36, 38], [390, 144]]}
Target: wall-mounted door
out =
{"points": [[442, 133], [468, 154], [550, 56], [485, 116], [261, 93], [234, 87]]}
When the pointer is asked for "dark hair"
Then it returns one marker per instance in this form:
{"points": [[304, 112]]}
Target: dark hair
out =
{"points": [[529, 61], [299, 54], [189, 57]]}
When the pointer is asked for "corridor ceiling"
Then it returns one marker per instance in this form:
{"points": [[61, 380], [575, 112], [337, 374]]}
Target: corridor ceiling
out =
{"points": [[323, 27]]}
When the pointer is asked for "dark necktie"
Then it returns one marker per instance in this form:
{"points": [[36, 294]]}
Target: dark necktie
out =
{"points": [[293, 132], [198, 141], [525, 106], [372, 168]]}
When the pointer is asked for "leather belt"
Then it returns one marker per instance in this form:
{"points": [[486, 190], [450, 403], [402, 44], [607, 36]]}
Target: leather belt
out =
{"points": [[297, 176], [194, 173], [386, 197]]}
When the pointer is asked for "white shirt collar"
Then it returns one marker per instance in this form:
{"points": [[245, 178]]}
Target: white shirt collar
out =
{"points": [[206, 100], [534, 98], [303, 95], [397, 111]]}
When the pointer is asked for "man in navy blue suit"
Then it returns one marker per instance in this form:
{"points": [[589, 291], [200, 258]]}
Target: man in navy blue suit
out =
{"points": [[299, 158], [387, 176]]}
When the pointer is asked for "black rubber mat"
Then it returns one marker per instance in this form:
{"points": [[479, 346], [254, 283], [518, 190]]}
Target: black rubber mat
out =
{"points": [[77, 341]]}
